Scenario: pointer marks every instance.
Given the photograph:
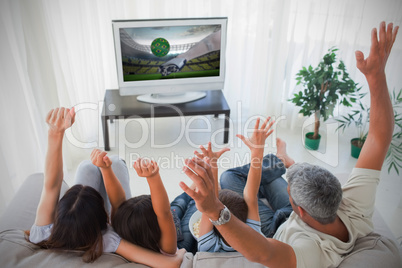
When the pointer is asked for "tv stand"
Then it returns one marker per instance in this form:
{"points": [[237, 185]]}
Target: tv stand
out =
{"points": [[172, 98], [122, 107]]}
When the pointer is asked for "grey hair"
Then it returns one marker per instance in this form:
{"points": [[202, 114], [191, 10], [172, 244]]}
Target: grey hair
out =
{"points": [[316, 190]]}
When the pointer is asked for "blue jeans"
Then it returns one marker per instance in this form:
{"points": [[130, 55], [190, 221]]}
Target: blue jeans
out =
{"points": [[183, 206], [273, 187]]}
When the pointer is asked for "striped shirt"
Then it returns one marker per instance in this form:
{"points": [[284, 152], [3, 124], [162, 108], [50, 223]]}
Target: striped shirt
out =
{"points": [[211, 242]]}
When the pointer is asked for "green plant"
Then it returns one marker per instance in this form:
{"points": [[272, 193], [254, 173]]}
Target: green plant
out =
{"points": [[394, 154], [324, 86], [360, 118]]}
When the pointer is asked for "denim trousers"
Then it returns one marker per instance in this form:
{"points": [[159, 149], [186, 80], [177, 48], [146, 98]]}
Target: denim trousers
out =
{"points": [[90, 175], [183, 206], [272, 187]]}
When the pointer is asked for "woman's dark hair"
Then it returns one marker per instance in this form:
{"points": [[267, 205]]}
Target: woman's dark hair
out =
{"points": [[235, 203], [135, 221], [79, 221]]}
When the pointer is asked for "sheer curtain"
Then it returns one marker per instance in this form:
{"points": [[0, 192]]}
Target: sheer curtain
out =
{"points": [[60, 52]]}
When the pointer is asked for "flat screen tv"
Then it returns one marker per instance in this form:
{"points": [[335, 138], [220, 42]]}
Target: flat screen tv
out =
{"points": [[170, 60]]}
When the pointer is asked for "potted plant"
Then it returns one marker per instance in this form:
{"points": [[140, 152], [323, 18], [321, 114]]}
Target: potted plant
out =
{"points": [[394, 154], [323, 87], [359, 117]]}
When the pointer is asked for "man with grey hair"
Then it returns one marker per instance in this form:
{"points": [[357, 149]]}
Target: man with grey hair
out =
{"points": [[327, 220]]}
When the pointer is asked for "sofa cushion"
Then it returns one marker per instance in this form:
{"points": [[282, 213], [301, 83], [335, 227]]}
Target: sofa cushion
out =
{"points": [[16, 251], [373, 250], [222, 260]]}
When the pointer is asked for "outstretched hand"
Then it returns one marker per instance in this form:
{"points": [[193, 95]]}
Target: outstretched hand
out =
{"points": [[60, 119], [146, 168], [379, 51], [203, 194], [257, 139], [213, 156], [100, 159]]}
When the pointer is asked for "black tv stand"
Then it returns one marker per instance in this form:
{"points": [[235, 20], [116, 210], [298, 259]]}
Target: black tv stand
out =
{"points": [[121, 107]]}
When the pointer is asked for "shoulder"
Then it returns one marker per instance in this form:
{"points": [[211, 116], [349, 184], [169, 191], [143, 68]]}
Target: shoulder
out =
{"points": [[111, 240], [40, 233], [363, 176]]}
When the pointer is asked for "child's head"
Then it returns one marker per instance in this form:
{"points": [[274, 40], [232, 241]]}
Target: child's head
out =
{"points": [[235, 203], [79, 221], [135, 221]]}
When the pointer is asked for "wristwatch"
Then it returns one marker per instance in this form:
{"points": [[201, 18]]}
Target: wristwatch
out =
{"points": [[224, 217]]}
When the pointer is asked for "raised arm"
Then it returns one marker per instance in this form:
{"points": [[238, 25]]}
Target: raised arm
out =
{"points": [[148, 257], [241, 237], [381, 113], [59, 120], [113, 187], [205, 224], [160, 204], [256, 144]]}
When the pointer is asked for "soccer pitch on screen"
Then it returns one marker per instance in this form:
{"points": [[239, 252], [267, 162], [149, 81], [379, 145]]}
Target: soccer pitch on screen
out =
{"points": [[143, 77]]}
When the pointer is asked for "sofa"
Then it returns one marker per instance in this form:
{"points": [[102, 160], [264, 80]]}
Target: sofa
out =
{"points": [[376, 250]]}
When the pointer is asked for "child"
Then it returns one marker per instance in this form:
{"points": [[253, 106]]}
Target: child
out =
{"points": [[78, 220], [246, 208], [144, 220]]}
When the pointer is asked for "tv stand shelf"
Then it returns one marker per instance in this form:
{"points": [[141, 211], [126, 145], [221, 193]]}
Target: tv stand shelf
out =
{"points": [[121, 107]]}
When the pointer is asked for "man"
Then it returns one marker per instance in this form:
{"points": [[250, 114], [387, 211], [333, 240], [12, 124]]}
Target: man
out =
{"points": [[314, 237]]}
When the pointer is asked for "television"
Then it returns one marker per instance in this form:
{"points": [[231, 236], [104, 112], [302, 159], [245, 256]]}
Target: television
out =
{"points": [[170, 60]]}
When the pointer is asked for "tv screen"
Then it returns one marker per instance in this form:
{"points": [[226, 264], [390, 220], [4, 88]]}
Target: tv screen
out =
{"points": [[170, 55]]}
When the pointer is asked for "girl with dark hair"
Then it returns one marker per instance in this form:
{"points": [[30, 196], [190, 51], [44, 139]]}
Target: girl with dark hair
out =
{"points": [[79, 220], [144, 220]]}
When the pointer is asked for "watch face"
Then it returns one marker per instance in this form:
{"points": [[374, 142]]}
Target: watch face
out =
{"points": [[226, 215]]}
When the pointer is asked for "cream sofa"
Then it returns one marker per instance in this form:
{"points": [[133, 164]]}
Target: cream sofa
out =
{"points": [[374, 250]]}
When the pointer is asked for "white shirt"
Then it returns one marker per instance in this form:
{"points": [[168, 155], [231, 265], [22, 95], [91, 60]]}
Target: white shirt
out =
{"points": [[316, 249]]}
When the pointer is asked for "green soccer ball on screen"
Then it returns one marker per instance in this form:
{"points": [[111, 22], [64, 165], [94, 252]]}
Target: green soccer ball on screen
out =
{"points": [[160, 47]]}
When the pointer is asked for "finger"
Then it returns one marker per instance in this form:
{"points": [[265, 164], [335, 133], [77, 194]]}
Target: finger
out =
{"points": [[49, 115], [241, 137], [188, 190], [374, 41], [265, 122], [101, 155], [382, 36], [270, 132], [222, 151], [199, 155], [107, 160], [198, 180], [209, 147], [269, 125], [54, 115], [205, 166], [60, 113], [257, 123], [394, 33], [203, 150]]}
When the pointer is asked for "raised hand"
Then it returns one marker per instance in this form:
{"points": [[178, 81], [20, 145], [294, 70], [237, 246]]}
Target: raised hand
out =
{"points": [[60, 119], [203, 194], [257, 139], [213, 156], [379, 51], [146, 168], [100, 159]]}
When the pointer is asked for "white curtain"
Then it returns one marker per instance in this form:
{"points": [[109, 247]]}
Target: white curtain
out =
{"points": [[60, 52]]}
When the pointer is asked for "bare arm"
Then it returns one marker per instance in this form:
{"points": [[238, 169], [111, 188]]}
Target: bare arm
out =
{"points": [[160, 204], [58, 120], [241, 237], [212, 158], [147, 257], [381, 113], [113, 187], [256, 144]]}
